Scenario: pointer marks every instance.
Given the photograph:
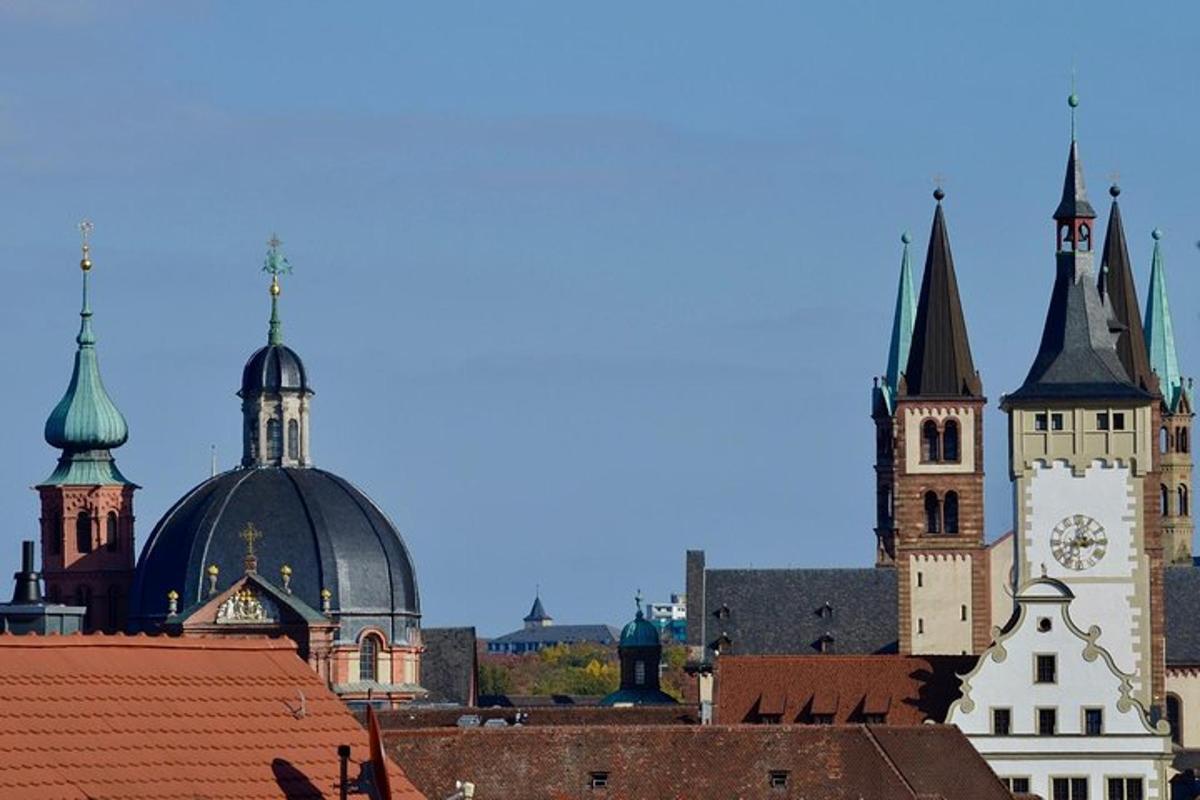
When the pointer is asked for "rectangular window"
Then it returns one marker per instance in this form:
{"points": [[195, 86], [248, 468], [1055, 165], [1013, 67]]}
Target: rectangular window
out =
{"points": [[777, 778], [1102, 421], [1125, 789], [1046, 669], [1001, 721], [874, 719], [920, 579], [1039, 422], [1093, 721], [963, 613], [1068, 788], [1016, 785], [1118, 421], [822, 719], [1047, 719], [1056, 422], [598, 780], [920, 626]]}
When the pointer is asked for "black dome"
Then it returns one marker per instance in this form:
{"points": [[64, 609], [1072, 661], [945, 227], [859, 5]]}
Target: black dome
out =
{"points": [[273, 368], [329, 533]]}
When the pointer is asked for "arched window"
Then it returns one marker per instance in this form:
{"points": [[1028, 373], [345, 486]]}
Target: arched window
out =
{"points": [[1183, 500], [950, 440], [274, 440], [1164, 440], [950, 512], [1175, 718], [930, 441], [639, 673], [1164, 500], [110, 531], [933, 513], [293, 439], [83, 532], [368, 658], [1183, 440], [251, 439], [57, 535]]}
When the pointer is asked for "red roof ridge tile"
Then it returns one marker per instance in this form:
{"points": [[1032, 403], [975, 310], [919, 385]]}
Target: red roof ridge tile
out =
{"points": [[134, 641]]}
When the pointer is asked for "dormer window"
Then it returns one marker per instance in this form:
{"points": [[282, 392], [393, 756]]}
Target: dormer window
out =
{"points": [[825, 611], [722, 612], [825, 643]]}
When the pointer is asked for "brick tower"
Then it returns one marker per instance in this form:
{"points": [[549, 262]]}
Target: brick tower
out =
{"points": [[87, 504], [883, 412], [937, 468], [1175, 427]]}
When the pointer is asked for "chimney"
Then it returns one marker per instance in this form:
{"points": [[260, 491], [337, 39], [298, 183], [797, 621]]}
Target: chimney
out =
{"points": [[28, 591]]}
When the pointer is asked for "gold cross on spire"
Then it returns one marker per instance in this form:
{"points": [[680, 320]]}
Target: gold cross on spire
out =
{"points": [[250, 535], [85, 232]]}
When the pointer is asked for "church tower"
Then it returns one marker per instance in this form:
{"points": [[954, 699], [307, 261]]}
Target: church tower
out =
{"points": [[1081, 458], [87, 504], [883, 410], [937, 468], [1175, 431], [275, 392]]}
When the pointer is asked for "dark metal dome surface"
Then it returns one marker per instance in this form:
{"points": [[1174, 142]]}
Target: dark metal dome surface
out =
{"points": [[274, 368], [329, 533]]}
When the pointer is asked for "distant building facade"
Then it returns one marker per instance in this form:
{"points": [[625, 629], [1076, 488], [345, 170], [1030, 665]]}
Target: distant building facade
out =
{"points": [[540, 632], [670, 617]]}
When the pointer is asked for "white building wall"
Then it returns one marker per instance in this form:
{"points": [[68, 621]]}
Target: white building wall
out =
{"points": [[940, 588]]}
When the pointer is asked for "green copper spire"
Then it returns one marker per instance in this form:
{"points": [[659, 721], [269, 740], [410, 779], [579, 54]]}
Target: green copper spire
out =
{"points": [[1160, 333], [275, 265], [86, 423], [902, 326]]}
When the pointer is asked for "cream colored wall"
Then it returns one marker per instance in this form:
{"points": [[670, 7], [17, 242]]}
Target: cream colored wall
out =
{"points": [[940, 587], [1001, 556], [1080, 443], [914, 417], [1185, 683]]}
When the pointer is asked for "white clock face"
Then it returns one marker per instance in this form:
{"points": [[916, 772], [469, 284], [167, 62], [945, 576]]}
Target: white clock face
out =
{"points": [[1078, 542]]}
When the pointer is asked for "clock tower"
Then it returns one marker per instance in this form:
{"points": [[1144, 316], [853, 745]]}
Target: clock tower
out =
{"points": [[1082, 429]]}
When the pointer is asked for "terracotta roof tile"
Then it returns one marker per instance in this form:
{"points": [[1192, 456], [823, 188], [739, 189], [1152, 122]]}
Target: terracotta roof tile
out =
{"points": [[159, 717], [690, 761], [907, 689]]}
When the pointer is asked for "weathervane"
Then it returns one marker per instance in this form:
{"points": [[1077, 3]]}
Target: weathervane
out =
{"points": [[275, 265]]}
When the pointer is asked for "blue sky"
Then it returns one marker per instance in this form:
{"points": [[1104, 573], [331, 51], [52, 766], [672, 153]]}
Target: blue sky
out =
{"points": [[579, 286]]}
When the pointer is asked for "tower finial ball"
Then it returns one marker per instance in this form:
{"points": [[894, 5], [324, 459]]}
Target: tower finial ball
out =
{"points": [[1114, 190], [938, 194], [1156, 234], [906, 237], [1073, 100]]}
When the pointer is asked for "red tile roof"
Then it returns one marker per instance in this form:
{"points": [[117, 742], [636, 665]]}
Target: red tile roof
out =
{"points": [[907, 689], [832, 762], [141, 717]]}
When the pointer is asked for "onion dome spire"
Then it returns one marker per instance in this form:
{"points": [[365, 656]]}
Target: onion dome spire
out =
{"points": [[939, 359], [1160, 333], [86, 424], [1117, 288]]}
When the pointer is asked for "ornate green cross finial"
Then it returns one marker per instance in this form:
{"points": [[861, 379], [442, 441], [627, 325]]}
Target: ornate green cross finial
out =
{"points": [[637, 601], [275, 265], [86, 337]]}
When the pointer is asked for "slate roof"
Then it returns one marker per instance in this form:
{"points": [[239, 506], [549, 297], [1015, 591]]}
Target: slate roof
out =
{"points": [[449, 665], [563, 634], [778, 611], [322, 526], [537, 612], [699, 761], [905, 690], [1077, 356], [1181, 594], [1117, 286], [416, 716], [939, 357], [163, 717]]}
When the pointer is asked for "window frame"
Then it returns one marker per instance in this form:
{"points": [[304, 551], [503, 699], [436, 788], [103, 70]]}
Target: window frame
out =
{"points": [[1125, 780], [778, 778], [1037, 672], [1037, 719], [1083, 720], [598, 779], [948, 425], [1008, 723], [1007, 780], [375, 641], [1072, 782]]}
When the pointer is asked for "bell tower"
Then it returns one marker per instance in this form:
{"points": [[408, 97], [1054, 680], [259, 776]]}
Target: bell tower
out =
{"points": [[87, 504], [937, 469], [1081, 436], [1175, 428]]}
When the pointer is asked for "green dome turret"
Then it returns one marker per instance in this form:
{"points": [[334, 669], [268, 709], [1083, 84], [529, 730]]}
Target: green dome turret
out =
{"points": [[640, 632], [86, 423]]}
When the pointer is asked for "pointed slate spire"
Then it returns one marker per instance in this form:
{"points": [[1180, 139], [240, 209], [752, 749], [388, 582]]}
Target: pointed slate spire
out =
{"points": [[1116, 285], [1074, 203], [538, 612], [939, 358], [1160, 333], [86, 423], [902, 327]]}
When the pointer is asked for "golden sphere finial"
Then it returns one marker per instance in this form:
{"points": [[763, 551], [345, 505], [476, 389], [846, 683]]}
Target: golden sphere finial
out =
{"points": [[85, 231], [212, 569], [275, 286]]}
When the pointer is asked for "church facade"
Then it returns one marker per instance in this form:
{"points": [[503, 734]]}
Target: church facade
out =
{"points": [[274, 547]]}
